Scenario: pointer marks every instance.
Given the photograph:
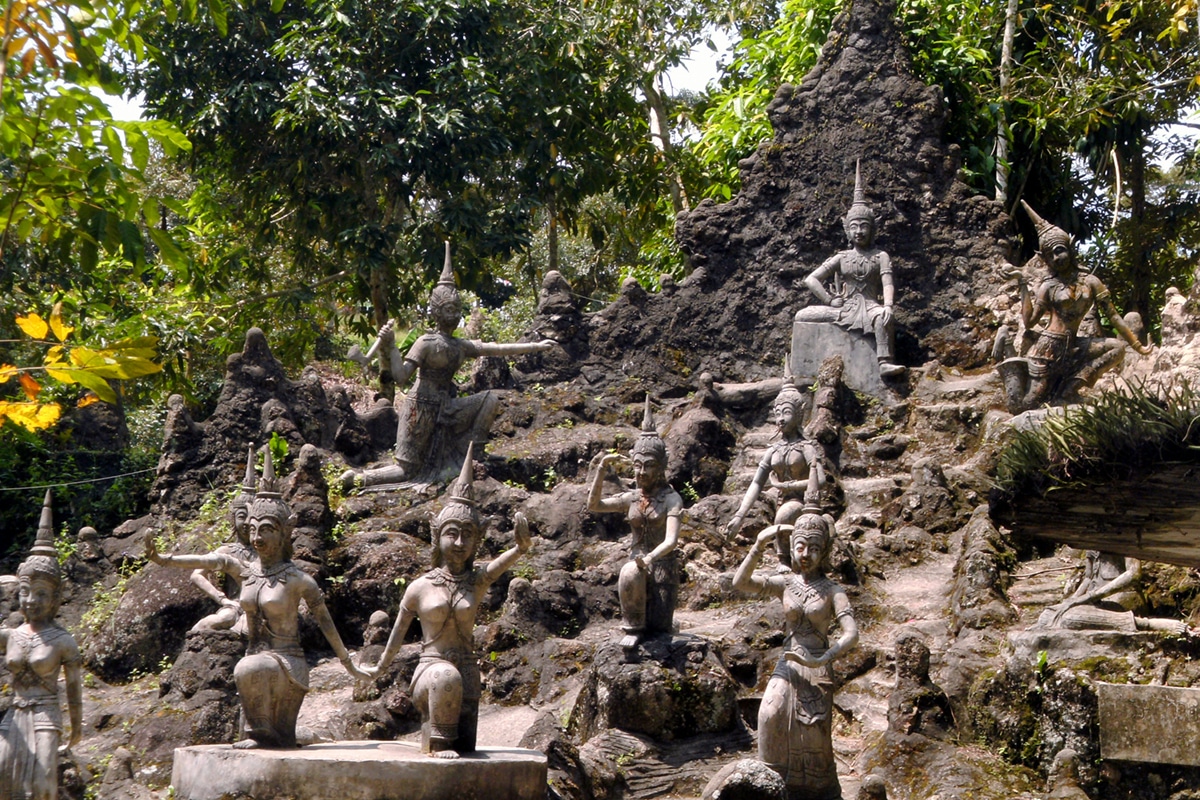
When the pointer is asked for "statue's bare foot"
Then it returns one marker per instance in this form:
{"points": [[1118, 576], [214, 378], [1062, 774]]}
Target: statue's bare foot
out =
{"points": [[889, 370], [246, 744], [630, 642], [444, 754]]}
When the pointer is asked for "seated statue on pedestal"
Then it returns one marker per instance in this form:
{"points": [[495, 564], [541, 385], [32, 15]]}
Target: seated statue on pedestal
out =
{"points": [[1059, 362], [648, 584], [36, 653], [792, 467], [229, 615], [795, 719], [1105, 599], [434, 420], [860, 291], [272, 678], [445, 600]]}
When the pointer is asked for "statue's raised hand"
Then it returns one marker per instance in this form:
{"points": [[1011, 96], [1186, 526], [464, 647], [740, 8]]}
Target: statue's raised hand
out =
{"points": [[151, 549], [521, 532]]}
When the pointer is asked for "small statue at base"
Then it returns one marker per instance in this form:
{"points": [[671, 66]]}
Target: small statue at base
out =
{"points": [[272, 678], [1104, 600], [1060, 363], [35, 653], [792, 467], [432, 415], [229, 616], [861, 291], [445, 600], [649, 582], [795, 719]]}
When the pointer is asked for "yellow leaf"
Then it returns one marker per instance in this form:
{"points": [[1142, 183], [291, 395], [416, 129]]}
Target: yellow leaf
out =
{"points": [[61, 330], [7, 372], [54, 356], [88, 399], [31, 387], [31, 416], [33, 325]]}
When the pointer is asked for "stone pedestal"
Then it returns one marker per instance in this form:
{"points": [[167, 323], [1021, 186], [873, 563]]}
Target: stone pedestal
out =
{"points": [[357, 771], [1156, 724], [813, 342]]}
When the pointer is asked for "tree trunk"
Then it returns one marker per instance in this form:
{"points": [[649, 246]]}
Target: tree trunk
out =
{"points": [[1139, 262], [1003, 133], [552, 235], [661, 134]]}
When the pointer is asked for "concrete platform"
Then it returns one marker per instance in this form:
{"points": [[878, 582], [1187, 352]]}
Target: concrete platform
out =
{"points": [[356, 771], [813, 342]]}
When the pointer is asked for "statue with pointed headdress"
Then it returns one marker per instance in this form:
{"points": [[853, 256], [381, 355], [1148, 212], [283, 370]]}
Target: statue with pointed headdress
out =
{"points": [[228, 615], [1059, 362], [446, 685], [855, 288], [435, 423], [36, 652], [648, 584], [272, 678], [795, 718], [793, 468]]}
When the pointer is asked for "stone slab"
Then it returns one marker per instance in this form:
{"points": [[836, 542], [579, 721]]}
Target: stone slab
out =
{"points": [[813, 342], [1155, 724], [356, 771]]}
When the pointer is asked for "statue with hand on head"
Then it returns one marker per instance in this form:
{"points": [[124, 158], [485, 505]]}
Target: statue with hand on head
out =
{"points": [[795, 719], [855, 286], [36, 652], [446, 685], [433, 417], [791, 467], [272, 678], [648, 584], [229, 615]]}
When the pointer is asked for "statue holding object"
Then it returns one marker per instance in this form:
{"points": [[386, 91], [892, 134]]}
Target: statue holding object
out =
{"points": [[446, 685], [1059, 362], [229, 615], [35, 653], [860, 291], [795, 719], [433, 418], [1105, 599], [793, 467], [648, 584], [272, 678]]}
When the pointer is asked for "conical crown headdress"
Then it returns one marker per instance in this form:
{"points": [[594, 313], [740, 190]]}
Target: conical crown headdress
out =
{"points": [[268, 501], [648, 441], [788, 392], [1048, 235], [859, 209], [42, 560], [446, 291], [249, 483], [460, 505]]}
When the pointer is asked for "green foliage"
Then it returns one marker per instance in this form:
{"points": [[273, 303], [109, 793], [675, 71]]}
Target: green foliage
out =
{"points": [[105, 601], [64, 545], [279, 450], [1112, 436]]}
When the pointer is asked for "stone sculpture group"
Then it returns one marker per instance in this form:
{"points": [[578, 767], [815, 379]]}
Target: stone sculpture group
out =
{"points": [[259, 589]]}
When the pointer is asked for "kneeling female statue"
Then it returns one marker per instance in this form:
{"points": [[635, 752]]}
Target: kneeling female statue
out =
{"points": [[795, 720], [272, 678], [445, 600], [35, 653]]}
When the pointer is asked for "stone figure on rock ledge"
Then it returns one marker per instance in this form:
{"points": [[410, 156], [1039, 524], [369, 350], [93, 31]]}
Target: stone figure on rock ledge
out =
{"points": [[272, 678], [35, 653], [855, 288], [446, 685], [1054, 362], [795, 719], [434, 420], [793, 468], [648, 584], [1105, 599], [229, 615]]}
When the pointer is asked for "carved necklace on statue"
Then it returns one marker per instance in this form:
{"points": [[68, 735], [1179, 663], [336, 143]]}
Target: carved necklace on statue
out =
{"points": [[458, 586], [257, 575]]}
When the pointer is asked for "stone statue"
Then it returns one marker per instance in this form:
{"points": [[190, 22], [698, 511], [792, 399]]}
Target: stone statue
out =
{"points": [[795, 720], [35, 652], [792, 467], [445, 600], [1059, 362], [1105, 599], [272, 678], [855, 286], [649, 582], [1063, 780], [229, 615], [433, 418]]}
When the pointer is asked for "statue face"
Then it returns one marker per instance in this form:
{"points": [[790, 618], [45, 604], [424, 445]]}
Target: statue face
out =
{"points": [[860, 232], [457, 542], [806, 550], [647, 472], [241, 526], [39, 600], [266, 537], [787, 416], [1062, 259], [447, 315]]}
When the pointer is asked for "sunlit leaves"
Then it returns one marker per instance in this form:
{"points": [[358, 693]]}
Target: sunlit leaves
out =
{"points": [[30, 416]]}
